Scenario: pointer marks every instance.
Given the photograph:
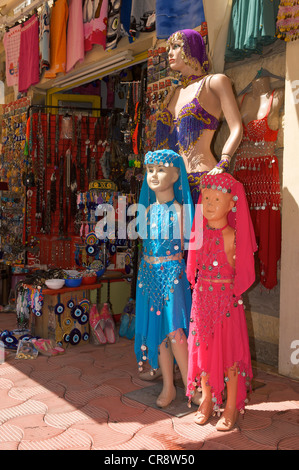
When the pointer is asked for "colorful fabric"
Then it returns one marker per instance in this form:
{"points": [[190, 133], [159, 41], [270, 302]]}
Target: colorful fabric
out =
{"points": [[75, 35], [11, 41], [29, 54], [95, 24], [172, 16], [287, 23], [114, 24], [252, 26], [163, 296], [58, 28], [44, 37], [218, 337], [260, 177]]}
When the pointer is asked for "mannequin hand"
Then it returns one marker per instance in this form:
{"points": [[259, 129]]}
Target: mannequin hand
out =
{"points": [[215, 171]]}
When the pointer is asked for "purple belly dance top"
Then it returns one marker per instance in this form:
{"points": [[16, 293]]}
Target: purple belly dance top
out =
{"points": [[181, 134]]}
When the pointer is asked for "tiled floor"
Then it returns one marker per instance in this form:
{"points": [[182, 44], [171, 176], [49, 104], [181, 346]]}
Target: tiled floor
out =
{"points": [[78, 401]]}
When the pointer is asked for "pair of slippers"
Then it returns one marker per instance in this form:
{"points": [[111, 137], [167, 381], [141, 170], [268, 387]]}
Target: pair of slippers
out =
{"points": [[47, 347], [102, 324]]}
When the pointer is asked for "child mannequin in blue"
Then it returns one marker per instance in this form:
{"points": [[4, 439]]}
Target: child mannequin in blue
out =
{"points": [[163, 296]]}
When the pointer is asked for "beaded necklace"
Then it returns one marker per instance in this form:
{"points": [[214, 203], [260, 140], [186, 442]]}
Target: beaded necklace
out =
{"points": [[191, 78]]}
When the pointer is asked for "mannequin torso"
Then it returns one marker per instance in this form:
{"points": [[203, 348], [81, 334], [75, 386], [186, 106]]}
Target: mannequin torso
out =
{"points": [[262, 103], [216, 96]]}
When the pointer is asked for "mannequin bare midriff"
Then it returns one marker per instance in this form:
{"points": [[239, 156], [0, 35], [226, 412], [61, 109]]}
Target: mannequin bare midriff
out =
{"points": [[254, 107], [216, 98]]}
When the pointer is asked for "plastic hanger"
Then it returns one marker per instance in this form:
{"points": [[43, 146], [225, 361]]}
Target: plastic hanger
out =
{"points": [[261, 73]]}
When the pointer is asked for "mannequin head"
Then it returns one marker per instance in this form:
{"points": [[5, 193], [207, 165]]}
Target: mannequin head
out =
{"points": [[216, 207], [187, 48], [161, 179]]}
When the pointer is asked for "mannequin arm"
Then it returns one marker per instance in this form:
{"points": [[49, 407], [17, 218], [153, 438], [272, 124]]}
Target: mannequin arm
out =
{"points": [[225, 101]]}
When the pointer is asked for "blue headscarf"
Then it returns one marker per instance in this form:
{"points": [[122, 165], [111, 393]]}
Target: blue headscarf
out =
{"points": [[181, 187]]}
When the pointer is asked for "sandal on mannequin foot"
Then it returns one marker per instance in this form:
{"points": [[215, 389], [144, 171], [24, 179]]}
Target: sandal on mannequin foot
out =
{"points": [[204, 412], [227, 423], [164, 400]]}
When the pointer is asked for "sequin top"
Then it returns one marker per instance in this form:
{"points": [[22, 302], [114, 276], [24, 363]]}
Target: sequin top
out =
{"points": [[182, 134], [163, 231], [258, 130], [212, 263]]}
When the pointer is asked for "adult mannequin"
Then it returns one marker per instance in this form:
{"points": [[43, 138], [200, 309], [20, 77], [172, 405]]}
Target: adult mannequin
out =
{"points": [[256, 166], [192, 112], [220, 270], [163, 297]]}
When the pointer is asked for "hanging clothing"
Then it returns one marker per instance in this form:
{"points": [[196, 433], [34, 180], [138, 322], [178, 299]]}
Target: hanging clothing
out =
{"points": [[260, 177], [29, 54], [75, 35], [114, 24], [173, 16], [58, 48], [95, 23], [218, 14], [252, 26], [44, 37], [11, 41], [287, 24], [218, 337]]}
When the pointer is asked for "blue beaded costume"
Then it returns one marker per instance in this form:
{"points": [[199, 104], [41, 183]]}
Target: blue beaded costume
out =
{"points": [[163, 295]]}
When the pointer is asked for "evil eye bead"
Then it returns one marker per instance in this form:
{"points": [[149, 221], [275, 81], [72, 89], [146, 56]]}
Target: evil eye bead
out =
{"points": [[85, 336], [59, 309]]}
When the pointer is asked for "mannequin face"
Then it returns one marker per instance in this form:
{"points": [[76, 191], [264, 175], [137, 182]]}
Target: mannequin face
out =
{"points": [[161, 178], [216, 206], [175, 55]]}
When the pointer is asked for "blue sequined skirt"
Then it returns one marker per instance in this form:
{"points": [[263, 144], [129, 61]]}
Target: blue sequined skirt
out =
{"points": [[163, 305]]}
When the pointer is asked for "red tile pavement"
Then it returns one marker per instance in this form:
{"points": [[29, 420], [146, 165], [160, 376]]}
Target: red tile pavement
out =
{"points": [[77, 401]]}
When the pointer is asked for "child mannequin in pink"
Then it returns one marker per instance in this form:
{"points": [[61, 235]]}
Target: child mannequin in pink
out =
{"points": [[220, 270]]}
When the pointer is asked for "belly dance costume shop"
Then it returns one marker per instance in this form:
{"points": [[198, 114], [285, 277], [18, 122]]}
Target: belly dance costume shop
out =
{"points": [[218, 337], [260, 177], [163, 294], [182, 134]]}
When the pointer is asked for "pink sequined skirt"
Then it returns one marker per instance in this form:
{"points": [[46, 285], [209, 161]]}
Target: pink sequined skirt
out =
{"points": [[218, 340]]}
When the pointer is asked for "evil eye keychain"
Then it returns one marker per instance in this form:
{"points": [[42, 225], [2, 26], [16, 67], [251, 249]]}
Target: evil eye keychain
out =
{"points": [[70, 304], [77, 311], [91, 239], [75, 337], [85, 304]]}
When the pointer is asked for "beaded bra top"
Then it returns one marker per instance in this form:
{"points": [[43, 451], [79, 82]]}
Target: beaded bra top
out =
{"points": [[258, 130], [211, 259], [163, 233], [182, 133]]}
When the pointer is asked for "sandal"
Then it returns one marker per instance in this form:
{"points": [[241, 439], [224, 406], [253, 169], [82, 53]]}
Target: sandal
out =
{"points": [[204, 412], [47, 347], [226, 424]]}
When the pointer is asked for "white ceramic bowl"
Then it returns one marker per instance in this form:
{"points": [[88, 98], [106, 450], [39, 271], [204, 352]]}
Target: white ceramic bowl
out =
{"points": [[55, 283]]}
